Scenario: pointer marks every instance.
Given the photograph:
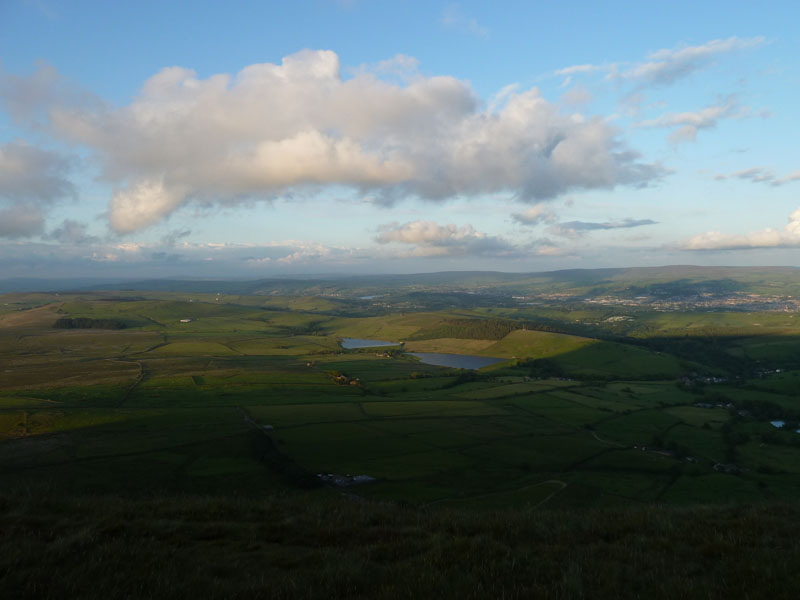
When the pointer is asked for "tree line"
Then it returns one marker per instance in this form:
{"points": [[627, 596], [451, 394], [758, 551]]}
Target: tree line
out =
{"points": [[87, 323]]}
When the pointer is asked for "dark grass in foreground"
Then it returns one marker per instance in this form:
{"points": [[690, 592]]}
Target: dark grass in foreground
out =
{"points": [[109, 547]]}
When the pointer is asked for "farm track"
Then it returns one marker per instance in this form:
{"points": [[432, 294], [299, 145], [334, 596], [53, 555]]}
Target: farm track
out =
{"points": [[136, 382]]}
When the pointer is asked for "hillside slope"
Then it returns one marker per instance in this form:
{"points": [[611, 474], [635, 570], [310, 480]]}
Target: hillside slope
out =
{"points": [[275, 547]]}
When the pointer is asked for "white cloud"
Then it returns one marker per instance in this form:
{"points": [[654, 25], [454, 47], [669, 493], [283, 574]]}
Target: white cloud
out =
{"points": [[568, 72], [788, 237], [274, 129], [294, 252], [687, 124], [188, 259], [788, 178], [547, 248], [432, 239], [573, 229], [31, 180], [668, 65], [536, 214], [761, 175], [306, 252]]}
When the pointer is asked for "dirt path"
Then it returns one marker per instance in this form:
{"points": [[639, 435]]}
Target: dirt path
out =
{"points": [[136, 382]]}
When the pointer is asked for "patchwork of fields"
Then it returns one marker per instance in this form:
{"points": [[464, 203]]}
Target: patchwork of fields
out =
{"points": [[255, 395]]}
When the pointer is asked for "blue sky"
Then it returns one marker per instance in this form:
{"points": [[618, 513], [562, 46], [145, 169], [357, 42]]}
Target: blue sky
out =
{"points": [[196, 139]]}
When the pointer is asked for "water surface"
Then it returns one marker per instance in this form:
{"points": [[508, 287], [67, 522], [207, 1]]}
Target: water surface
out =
{"points": [[456, 361], [351, 343]]}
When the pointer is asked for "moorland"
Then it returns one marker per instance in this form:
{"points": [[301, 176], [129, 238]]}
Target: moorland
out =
{"points": [[627, 406]]}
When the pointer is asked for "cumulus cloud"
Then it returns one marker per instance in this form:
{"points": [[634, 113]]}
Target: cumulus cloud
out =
{"points": [[31, 180], [687, 124], [536, 214], [761, 175], [574, 229], [432, 239], [666, 66], [274, 129], [787, 237]]}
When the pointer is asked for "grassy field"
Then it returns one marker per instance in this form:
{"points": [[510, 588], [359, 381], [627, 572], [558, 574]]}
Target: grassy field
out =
{"points": [[255, 394], [178, 454], [55, 545], [580, 467]]}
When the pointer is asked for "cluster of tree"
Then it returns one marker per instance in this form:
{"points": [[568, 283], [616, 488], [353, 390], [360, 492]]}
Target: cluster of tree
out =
{"points": [[310, 328], [764, 410], [389, 352], [711, 351], [342, 379], [87, 323]]}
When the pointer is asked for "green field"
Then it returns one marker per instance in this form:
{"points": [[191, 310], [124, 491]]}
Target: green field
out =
{"points": [[255, 394]]}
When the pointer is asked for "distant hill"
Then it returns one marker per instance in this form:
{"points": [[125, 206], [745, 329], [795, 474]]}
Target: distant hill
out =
{"points": [[24, 284], [628, 282]]}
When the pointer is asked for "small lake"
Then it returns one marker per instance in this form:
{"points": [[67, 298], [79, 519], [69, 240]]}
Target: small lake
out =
{"points": [[352, 343], [456, 361]]}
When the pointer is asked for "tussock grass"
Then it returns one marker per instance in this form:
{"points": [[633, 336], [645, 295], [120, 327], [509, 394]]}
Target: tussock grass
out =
{"points": [[109, 547]]}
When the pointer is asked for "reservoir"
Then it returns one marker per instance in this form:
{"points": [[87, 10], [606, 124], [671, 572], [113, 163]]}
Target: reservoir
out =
{"points": [[456, 361], [351, 343]]}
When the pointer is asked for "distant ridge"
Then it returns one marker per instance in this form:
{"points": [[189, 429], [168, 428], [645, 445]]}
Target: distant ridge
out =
{"points": [[585, 282]]}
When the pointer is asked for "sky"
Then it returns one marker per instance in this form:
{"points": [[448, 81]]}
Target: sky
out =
{"points": [[322, 137]]}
